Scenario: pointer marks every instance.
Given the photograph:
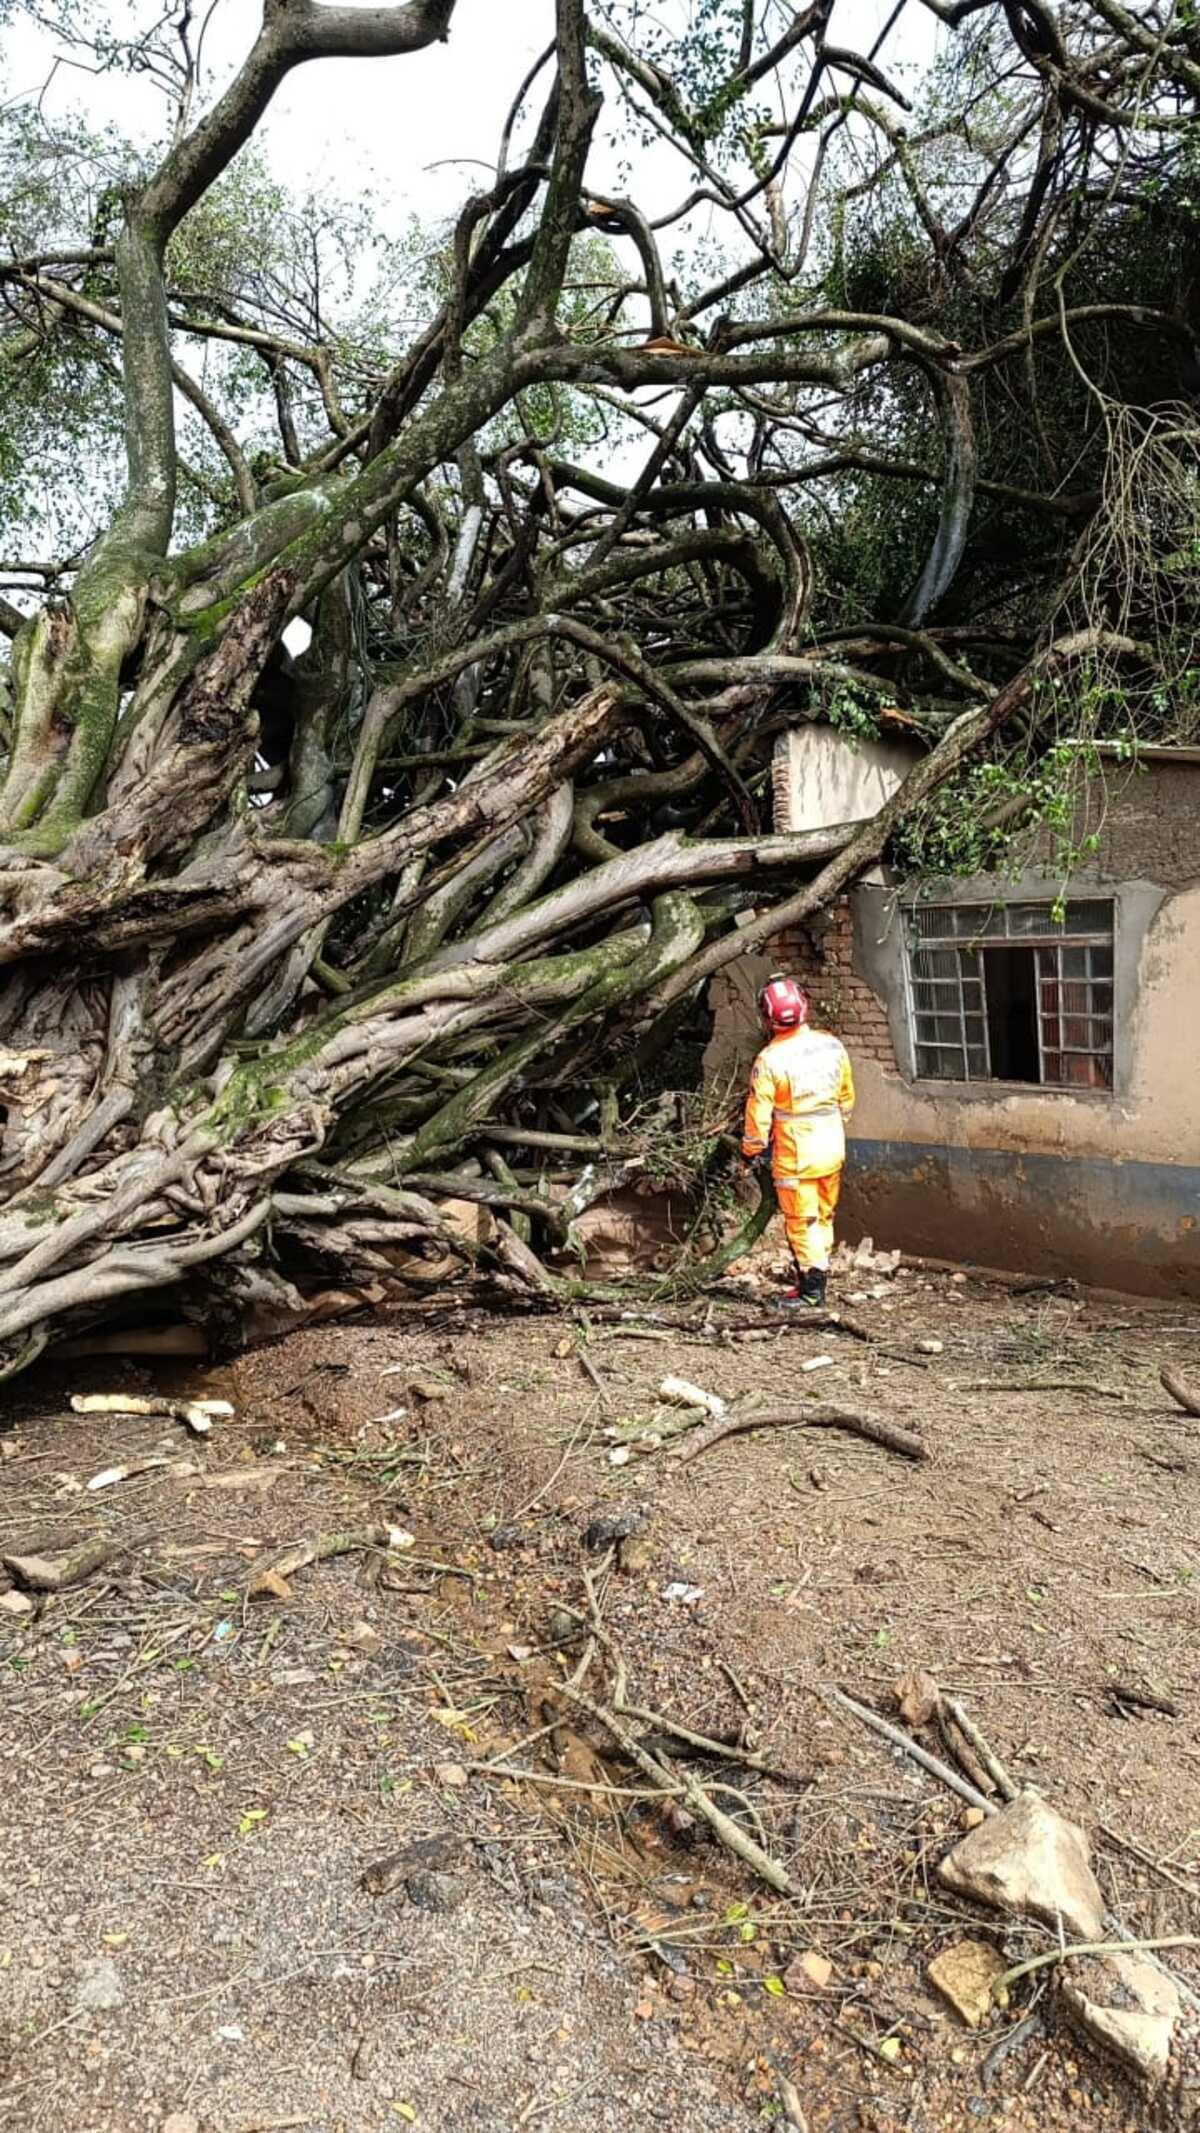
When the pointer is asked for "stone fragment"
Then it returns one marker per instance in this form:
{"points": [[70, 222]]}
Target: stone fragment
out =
{"points": [[1030, 1861], [965, 1975], [808, 1972], [635, 1554], [99, 1990], [1128, 2006], [917, 1697]]}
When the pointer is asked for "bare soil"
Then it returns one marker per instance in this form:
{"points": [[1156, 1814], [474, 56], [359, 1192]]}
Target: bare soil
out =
{"points": [[195, 1780]]}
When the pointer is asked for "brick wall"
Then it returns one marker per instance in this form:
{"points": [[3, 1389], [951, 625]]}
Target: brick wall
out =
{"points": [[821, 956]]}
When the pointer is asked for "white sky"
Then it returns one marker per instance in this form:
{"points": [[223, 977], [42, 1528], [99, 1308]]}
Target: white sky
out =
{"points": [[417, 128]]}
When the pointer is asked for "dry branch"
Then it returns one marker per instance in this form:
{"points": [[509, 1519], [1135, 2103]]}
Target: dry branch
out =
{"points": [[820, 1415], [913, 1750], [1187, 1395], [55, 1573]]}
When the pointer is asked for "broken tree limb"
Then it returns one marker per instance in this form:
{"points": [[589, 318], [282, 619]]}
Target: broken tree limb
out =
{"points": [[270, 1574], [690, 1791], [196, 1415], [915, 1753], [55, 1573], [975, 1740], [818, 1415], [1187, 1395]]}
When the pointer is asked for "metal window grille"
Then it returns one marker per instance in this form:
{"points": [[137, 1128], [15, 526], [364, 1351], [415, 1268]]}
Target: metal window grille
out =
{"points": [[1072, 971]]}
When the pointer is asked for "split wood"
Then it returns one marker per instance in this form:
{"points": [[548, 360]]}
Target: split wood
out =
{"points": [[1187, 1395], [961, 1751], [812, 1415], [971, 1734], [941, 1771]]}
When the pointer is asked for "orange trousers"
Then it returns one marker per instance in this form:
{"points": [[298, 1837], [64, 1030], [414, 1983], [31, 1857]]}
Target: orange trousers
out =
{"points": [[807, 1206]]}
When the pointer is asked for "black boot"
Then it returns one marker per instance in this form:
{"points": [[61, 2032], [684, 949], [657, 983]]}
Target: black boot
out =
{"points": [[814, 1287]]}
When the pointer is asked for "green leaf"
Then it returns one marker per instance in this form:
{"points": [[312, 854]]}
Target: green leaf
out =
{"points": [[776, 1987]]}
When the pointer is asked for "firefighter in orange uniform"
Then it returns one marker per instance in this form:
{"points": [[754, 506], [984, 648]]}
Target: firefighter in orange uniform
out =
{"points": [[801, 1094]]}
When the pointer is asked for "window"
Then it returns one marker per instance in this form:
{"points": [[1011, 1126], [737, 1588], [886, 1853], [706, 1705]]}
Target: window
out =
{"points": [[1012, 992]]}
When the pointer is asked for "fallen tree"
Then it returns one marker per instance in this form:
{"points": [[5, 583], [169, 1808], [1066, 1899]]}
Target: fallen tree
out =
{"points": [[297, 947]]}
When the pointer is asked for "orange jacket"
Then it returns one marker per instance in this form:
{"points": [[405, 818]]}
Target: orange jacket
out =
{"points": [[801, 1094]]}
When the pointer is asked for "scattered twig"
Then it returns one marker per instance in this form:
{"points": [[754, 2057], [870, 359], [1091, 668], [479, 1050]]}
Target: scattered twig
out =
{"points": [[1089, 1947], [1100, 1392], [793, 2110], [897, 1739], [691, 1792], [959, 1748], [1019, 2034], [1157, 1866], [817, 1415], [736, 1686], [1179, 1389], [719, 1750], [590, 1371], [1141, 1699], [990, 1761]]}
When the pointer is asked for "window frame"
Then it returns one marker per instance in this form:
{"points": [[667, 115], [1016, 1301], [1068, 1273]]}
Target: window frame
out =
{"points": [[1041, 941]]}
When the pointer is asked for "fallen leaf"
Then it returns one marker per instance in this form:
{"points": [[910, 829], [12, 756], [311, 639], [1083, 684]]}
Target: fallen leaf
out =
{"points": [[775, 1986], [451, 1774], [272, 1582], [890, 2049], [454, 1721], [406, 2112]]}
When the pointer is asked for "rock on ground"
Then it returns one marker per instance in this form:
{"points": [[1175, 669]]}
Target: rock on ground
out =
{"points": [[1030, 1861], [1128, 2006]]}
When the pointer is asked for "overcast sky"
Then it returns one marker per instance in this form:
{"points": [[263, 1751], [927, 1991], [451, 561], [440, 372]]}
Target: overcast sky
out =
{"points": [[419, 129]]}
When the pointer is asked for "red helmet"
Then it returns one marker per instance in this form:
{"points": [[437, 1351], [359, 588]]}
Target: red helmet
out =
{"points": [[784, 1004]]}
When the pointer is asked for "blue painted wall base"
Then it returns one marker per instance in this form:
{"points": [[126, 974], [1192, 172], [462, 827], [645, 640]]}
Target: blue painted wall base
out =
{"points": [[1132, 1226]]}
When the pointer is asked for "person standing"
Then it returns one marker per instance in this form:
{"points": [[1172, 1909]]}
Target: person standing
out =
{"points": [[801, 1094]]}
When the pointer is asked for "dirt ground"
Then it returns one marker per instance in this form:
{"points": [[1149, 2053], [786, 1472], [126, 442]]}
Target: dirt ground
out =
{"points": [[195, 1778]]}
